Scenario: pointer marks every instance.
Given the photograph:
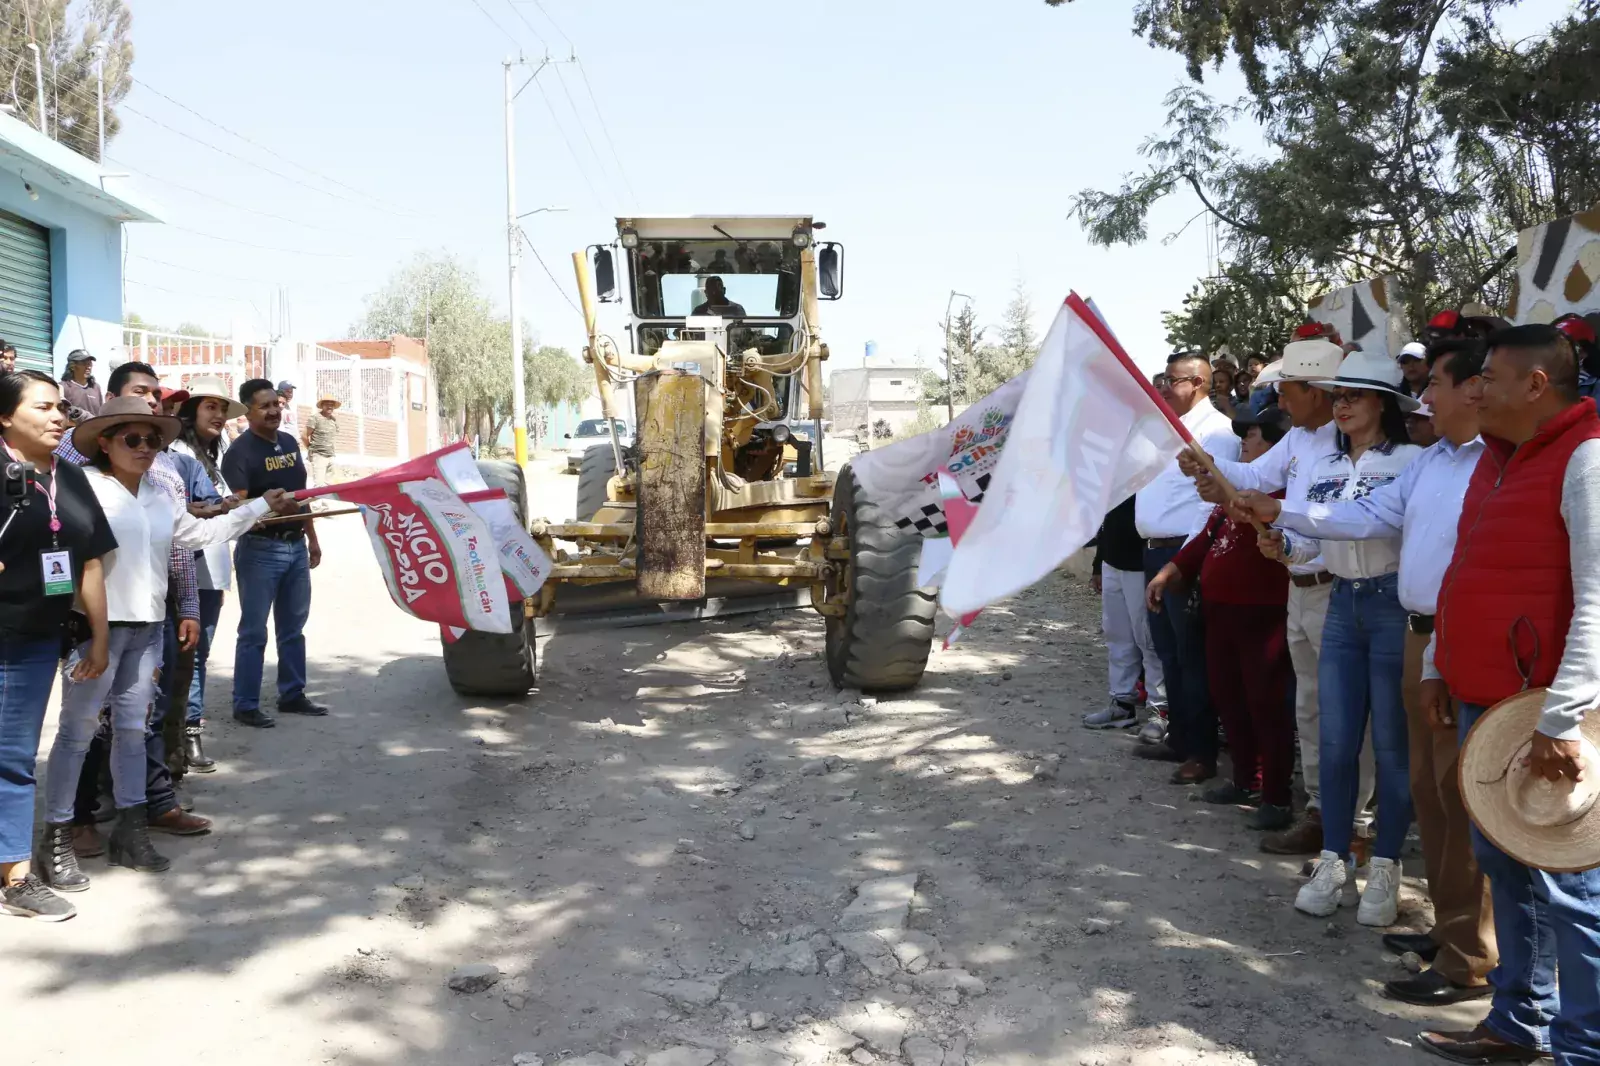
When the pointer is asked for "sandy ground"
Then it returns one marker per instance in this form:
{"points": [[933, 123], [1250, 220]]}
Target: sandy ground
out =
{"points": [[666, 840]]}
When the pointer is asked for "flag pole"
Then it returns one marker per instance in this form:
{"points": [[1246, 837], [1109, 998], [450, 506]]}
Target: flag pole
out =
{"points": [[1094, 322]]}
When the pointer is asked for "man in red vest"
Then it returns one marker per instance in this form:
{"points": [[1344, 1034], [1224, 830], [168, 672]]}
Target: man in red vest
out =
{"points": [[1520, 608]]}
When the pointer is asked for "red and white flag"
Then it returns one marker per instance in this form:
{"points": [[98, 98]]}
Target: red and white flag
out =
{"points": [[1089, 431], [439, 557]]}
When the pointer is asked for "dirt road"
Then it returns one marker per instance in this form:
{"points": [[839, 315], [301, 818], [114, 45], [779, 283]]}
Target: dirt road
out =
{"points": [[660, 853]]}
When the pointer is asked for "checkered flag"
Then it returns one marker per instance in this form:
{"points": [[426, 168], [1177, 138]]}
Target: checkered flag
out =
{"points": [[929, 520]]}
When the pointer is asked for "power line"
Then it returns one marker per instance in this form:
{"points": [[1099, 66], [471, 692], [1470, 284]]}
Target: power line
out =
{"points": [[529, 241], [573, 152], [606, 130], [583, 127], [536, 34], [262, 247], [550, 20], [496, 24], [261, 147]]}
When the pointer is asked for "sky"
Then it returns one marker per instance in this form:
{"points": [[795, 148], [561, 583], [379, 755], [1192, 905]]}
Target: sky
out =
{"points": [[318, 146]]}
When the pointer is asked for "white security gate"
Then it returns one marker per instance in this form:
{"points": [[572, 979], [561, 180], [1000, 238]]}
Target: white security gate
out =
{"points": [[25, 312]]}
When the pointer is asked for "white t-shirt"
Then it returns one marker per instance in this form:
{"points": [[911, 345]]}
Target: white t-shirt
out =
{"points": [[1170, 505]]}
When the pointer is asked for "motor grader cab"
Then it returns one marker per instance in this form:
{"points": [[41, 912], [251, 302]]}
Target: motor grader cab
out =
{"points": [[723, 495]]}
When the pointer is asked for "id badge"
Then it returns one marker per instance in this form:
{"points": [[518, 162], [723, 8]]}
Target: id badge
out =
{"points": [[57, 570]]}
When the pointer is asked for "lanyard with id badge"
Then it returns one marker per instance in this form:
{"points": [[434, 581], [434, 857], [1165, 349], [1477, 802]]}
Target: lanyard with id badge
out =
{"points": [[55, 563]]}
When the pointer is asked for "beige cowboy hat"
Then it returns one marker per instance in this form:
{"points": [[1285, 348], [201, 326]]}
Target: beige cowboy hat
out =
{"points": [[121, 411], [1549, 825], [1309, 360], [327, 398], [212, 387]]}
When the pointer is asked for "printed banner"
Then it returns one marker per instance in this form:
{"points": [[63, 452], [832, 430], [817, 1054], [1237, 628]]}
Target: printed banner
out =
{"points": [[903, 477], [525, 564], [1088, 431], [438, 555]]}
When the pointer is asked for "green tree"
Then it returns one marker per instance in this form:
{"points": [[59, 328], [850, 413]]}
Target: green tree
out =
{"points": [[1409, 139], [469, 347], [958, 354], [68, 35], [1015, 350]]}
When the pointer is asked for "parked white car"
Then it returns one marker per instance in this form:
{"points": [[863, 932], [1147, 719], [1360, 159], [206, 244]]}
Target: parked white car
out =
{"points": [[593, 431]]}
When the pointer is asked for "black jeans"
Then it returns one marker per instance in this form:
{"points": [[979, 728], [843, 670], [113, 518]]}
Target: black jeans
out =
{"points": [[1179, 636]]}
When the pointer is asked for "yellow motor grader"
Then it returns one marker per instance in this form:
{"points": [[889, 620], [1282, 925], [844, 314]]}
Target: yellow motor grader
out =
{"points": [[719, 499]]}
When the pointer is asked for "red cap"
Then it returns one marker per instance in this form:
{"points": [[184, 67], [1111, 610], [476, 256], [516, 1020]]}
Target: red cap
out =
{"points": [[1311, 330], [1445, 320], [1577, 329], [174, 394]]}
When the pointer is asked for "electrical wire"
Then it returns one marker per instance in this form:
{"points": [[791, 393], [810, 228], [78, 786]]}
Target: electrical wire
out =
{"points": [[548, 19], [573, 152], [547, 270], [496, 24], [536, 34], [605, 130], [262, 247], [583, 127], [274, 154]]}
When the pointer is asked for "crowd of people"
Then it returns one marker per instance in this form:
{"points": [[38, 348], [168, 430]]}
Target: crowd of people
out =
{"points": [[127, 517], [1370, 554]]}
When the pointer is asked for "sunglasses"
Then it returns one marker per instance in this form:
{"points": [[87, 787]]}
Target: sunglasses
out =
{"points": [[135, 440], [1350, 397]]}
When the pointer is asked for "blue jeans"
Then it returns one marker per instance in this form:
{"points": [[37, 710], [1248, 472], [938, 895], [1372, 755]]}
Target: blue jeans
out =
{"points": [[210, 611], [1361, 667], [1180, 645], [128, 685], [272, 576], [27, 672], [1547, 924]]}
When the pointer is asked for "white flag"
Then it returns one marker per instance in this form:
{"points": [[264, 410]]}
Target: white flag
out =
{"points": [[1089, 431]]}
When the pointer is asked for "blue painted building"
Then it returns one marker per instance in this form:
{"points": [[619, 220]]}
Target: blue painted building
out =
{"points": [[61, 222]]}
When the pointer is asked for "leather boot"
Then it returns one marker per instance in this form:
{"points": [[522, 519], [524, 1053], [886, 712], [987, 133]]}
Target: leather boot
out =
{"points": [[56, 862], [130, 843], [195, 753]]}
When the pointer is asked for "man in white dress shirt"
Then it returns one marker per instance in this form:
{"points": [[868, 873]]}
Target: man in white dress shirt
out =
{"points": [[1167, 512], [1423, 505], [1287, 469]]}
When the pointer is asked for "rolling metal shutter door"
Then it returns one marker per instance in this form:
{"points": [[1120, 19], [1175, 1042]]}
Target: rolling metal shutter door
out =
{"points": [[25, 291]]}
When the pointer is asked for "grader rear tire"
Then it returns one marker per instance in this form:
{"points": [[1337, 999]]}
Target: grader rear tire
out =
{"points": [[597, 467], [881, 643], [497, 664]]}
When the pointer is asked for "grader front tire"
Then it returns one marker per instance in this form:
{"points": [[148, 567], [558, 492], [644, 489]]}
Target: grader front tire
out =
{"points": [[882, 641]]}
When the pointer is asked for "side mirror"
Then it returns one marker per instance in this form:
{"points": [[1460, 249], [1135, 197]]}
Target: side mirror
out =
{"points": [[605, 276], [830, 271]]}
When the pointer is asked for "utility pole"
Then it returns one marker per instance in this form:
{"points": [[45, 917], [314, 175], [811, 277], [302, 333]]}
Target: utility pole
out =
{"points": [[100, 95], [519, 398], [949, 376], [38, 84]]}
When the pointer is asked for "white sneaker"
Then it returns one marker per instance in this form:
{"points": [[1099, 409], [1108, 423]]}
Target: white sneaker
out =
{"points": [[1323, 894], [1380, 900]]}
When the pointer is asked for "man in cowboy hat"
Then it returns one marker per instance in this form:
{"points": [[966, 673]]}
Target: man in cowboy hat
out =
{"points": [[1287, 468], [320, 439], [1423, 506], [1519, 609]]}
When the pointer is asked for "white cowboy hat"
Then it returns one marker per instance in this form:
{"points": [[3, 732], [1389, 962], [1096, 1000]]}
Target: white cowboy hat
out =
{"points": [[1270, 374], [1373, 372], [1549, 825], [213, 388], [1309, 360]]}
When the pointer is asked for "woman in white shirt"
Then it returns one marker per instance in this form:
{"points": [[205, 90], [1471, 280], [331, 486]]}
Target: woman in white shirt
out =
{"points": [[1363, 641], [121, 444], [204, 416]]}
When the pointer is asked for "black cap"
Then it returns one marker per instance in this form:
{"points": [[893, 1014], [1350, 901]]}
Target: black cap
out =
{"points": [[1274, 423]]}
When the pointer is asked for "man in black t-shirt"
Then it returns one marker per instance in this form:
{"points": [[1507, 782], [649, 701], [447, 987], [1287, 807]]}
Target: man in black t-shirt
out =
{"points": [[272, 563]]}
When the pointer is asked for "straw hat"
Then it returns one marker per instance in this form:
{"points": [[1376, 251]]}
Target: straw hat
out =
{"points": [[205, 385], [1552, 826], [327, 398], [1374, 372], [1309, 360], [120, 411]]}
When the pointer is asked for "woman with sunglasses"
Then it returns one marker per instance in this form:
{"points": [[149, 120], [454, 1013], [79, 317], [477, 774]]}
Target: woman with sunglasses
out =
{"points": [[121, 444], [1363, 640], [53, 537]]}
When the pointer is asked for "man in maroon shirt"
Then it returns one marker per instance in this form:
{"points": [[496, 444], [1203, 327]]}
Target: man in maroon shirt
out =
{"points": [[1242, 595]]}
